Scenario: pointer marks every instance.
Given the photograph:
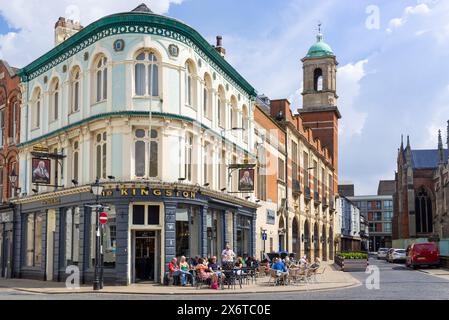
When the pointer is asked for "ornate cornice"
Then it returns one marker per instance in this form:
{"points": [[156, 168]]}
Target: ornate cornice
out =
{"points": [[131, 23]]}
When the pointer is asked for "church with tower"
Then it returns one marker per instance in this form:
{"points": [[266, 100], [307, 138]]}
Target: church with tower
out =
{"points": [[422, 192]]}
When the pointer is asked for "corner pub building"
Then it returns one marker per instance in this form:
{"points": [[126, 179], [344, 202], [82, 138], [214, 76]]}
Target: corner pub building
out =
{"points": [[144, 104]]}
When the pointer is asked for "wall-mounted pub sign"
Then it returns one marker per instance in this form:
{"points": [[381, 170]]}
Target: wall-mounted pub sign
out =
{"points": [[41, 171]]}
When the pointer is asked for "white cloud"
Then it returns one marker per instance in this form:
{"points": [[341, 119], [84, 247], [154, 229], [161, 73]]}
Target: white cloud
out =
{"points": [[420, 9], [35, 20], [349, 78]]}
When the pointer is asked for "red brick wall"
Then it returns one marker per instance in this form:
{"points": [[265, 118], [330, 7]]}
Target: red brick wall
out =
{"points": [[10, 91]]}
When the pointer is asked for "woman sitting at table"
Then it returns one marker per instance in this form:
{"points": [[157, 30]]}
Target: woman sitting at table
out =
{"points": [[185, 268], [238, 266], [202, 271]]}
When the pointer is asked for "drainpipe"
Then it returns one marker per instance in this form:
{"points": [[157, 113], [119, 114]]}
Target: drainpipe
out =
{"points": [[26, 135], [287, 238]]}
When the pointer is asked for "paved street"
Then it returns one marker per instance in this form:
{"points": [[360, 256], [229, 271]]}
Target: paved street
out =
{"points": [[396, 282]]}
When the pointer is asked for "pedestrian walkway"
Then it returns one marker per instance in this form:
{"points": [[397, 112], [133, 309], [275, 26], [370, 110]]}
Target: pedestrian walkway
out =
{"points": [[329, 280]]}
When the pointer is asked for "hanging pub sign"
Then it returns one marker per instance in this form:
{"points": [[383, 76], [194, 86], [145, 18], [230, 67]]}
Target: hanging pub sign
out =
{"points": [[41, 171], [246, 180]]}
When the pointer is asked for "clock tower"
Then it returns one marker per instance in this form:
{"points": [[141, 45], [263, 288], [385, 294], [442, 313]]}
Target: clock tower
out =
{"points": [[320, 112]]}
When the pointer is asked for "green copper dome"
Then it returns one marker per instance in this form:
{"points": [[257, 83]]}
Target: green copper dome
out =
{"points": [[320, 49]]}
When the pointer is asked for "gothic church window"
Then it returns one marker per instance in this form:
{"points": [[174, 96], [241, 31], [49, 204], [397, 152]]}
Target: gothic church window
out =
{"points": [[423, 209]]}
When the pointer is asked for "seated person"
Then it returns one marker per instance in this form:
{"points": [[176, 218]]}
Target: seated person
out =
{"points": [[239, 265], [316, 264], [194, 261], [185, 269], [174, 270], [202, 271], [281, 269], [287, 262], [215, 268], [303, 261]]}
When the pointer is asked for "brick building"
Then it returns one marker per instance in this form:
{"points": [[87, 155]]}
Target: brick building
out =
{"points": [[306, 175], [10, 98]]}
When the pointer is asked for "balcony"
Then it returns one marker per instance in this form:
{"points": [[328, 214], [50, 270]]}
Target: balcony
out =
{"points": [[307, 193], [296, 189], [316, 198]]}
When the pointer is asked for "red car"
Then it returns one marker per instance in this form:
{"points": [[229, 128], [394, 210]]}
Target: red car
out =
{"points": [[423, 254]]}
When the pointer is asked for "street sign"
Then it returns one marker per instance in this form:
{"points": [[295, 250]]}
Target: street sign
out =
{"points": [[264, 236], [103, 218]]}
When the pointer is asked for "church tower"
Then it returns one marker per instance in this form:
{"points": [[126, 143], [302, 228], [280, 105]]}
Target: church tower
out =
{"points": [[320, 112]]}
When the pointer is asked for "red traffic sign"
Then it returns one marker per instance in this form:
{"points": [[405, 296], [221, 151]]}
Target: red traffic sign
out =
{"points": [[103, 218]]}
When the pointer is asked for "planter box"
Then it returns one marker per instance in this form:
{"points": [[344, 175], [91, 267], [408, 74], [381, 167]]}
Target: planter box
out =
{"points": [[351, 265]]}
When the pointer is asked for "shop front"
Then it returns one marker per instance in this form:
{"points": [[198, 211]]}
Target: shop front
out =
{"points": [[146, 228]]}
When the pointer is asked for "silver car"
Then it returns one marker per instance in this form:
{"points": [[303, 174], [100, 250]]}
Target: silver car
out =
{"points": [[397, 255], [382, 253]]}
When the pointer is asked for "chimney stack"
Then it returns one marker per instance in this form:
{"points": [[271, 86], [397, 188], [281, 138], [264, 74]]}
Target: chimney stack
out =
{"points": [[219, 46], [65, 28]]}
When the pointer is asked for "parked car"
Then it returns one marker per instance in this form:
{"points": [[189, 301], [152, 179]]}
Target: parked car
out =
{"points": [[382, 253], [396, 255], [423, 254]]}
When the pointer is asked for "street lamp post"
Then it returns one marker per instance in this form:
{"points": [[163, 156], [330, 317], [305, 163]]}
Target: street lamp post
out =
{"points": [[13, 180], [97, 190]]}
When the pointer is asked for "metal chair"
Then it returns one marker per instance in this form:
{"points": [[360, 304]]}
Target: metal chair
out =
{"points": [[275, 277], [199, 281]]}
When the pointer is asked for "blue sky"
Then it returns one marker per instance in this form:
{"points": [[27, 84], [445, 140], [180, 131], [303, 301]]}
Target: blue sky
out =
{"points": [[392, 77]]}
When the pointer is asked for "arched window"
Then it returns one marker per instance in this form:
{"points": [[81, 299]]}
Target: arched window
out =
{"points": [[323, 241], [75, 159], [189, 157], [146, 74], [245, 123], [101, 155], [54, 100], [316, 240], [234, 115], [75, 90], [423, 208], [146, 153], [36, 110], [190, 84], [207, 97], [307, 239], [318, 79], [101, 79], [221, 107], [14, 119], [296, 241]]}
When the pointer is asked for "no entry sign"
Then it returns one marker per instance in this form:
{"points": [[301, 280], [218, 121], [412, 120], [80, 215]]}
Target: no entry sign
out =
{"points": [[103, 218]]}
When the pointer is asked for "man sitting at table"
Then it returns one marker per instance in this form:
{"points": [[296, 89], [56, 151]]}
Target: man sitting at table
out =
{"points": [[281, 269], [215, 268], [175, 271]]}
